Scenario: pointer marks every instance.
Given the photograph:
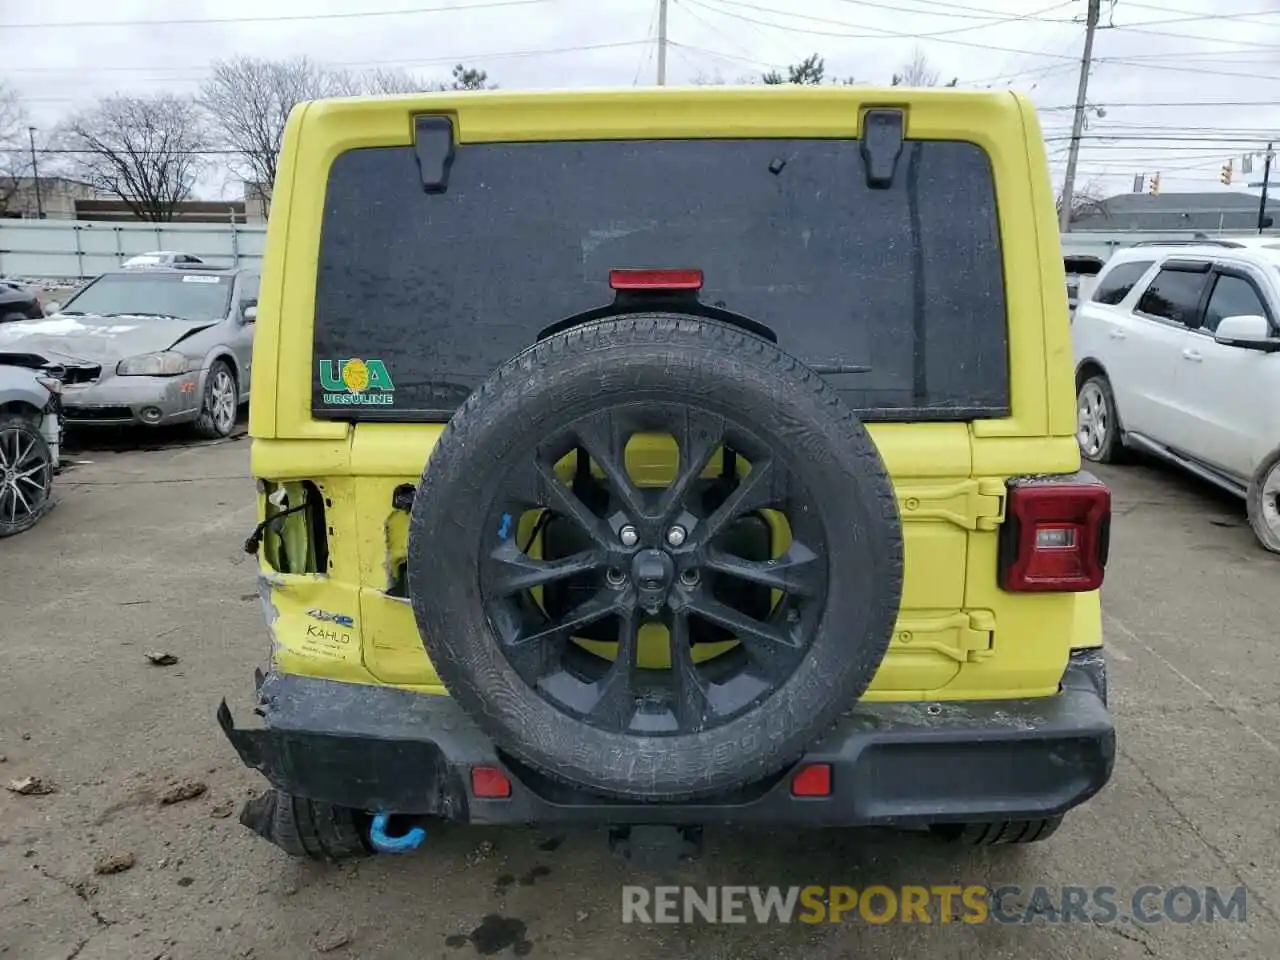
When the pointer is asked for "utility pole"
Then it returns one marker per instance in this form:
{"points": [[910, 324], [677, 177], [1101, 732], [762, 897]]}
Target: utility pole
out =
{"points": [[662, 43], [1077, 124], [1266, 181], [35, 173]]}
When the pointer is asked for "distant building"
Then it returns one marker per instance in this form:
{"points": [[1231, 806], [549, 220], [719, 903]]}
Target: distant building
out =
{"points": [[58, 197], [257, 201], [1208, 212], [187, 211]]}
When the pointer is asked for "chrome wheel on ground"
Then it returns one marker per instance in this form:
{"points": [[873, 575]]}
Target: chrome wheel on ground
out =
{"points": [[1097, 426], [221, 402], [26, 475], [1263, 501]]}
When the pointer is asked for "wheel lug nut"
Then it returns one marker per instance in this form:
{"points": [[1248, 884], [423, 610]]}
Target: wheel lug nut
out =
{"points": [[628, 536], [616, 578], [676, 536], [689, 578]]}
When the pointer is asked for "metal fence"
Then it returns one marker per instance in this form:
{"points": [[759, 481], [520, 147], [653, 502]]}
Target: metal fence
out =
{"points": [[73, 249]]}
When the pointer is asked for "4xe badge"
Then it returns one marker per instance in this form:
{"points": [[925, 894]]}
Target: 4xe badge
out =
{"points": [[356, 382]]}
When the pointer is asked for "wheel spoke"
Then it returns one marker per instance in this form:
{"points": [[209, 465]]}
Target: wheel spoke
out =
{"points": [[746, 628], [606, 443], [21, 454], [794, 573], [601, 605], [26, 504], [698, 438], [755, 492], [690, 702], [562, 500], [615, 702], [515, 570]]}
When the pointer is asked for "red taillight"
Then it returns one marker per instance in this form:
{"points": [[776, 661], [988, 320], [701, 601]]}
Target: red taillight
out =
{"points": [[1056, 534], [655, 279], [490, 783], [812, 781]]}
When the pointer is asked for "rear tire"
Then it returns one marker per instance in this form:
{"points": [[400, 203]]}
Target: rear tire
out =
{"points": [[1263, 502], [998, 833], [307, 829], [1098, 430], [26, 475]]}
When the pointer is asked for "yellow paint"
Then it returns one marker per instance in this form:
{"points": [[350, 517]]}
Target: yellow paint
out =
{"points": [[958, 635]]}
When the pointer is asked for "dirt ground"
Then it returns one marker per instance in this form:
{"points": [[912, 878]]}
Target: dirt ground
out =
{"points": [[143, 555]]}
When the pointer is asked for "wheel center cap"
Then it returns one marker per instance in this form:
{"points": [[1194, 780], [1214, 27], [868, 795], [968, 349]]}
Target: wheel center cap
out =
{"points": [[652, 571]]}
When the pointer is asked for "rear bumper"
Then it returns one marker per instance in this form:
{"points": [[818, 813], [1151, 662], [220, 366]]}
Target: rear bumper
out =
{"points": [[893, 764]]}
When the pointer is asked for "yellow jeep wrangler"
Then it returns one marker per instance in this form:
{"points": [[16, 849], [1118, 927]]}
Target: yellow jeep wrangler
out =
{"points": [[664, 457]]}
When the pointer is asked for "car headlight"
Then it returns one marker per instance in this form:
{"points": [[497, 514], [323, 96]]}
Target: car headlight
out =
{"points": [[166, 363]]}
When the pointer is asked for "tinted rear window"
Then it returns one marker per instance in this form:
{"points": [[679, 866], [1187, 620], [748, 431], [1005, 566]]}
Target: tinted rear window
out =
{"points": [[896, 295]]}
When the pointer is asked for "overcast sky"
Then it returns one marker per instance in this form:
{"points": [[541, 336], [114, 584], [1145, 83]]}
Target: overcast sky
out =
{"points": [[1175, 89]]}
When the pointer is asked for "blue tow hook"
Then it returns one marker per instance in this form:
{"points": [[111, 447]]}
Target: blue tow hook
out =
{"points": [[384, 843]]}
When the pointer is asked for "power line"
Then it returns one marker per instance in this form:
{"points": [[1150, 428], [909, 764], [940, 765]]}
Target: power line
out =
{"points": [[1192, 15], [1192, 36], [1209, 104], [429, 61], [727, 56], [880, 34], [433, 61], [1175, 69], [648, 35], [270, 18]]}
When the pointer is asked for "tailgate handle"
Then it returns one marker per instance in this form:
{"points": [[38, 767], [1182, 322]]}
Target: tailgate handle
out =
{"points": [[433, 147], [881, 146]]}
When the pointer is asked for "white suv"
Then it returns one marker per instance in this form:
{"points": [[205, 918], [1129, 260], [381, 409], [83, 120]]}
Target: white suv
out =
{"points": [[1178, 354]]}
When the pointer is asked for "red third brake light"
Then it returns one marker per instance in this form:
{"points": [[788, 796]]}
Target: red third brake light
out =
{"points": [[655, 279], [1056, 535]]}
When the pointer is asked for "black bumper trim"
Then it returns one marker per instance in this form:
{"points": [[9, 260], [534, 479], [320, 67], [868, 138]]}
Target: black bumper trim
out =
{"points": [[893, 764]]}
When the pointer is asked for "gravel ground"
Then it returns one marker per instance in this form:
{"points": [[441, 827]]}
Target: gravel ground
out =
{"points": [[143, 555]]}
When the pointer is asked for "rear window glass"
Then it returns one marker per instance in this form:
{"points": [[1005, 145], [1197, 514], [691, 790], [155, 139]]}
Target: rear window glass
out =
{"points": [[1115, 286], [895, 295]]}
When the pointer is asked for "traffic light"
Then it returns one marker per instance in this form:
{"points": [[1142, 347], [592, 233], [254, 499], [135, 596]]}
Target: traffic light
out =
{"points": [[1154, 187], [1225, 176]]}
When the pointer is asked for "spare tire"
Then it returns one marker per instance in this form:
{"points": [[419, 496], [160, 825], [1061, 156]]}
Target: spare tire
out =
{"points": [[790, 559]]}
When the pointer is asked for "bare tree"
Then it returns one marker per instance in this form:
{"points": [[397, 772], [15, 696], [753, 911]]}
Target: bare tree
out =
{"points": [[15, 157], [146, 151], [917, 72], [248, 101], [1086, 201]]}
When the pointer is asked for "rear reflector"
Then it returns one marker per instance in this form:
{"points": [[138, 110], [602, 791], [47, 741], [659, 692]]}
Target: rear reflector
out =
{"points": [[812, 781], [1056, 535], [655, 279], [490, 783]]}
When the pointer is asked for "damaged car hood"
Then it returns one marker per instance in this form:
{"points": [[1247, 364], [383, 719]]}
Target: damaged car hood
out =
{"points": [[91, 339]]}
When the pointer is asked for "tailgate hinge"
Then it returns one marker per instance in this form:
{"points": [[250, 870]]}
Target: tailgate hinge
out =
{"points": [[989, 506], [971, 504], [978, 641]]}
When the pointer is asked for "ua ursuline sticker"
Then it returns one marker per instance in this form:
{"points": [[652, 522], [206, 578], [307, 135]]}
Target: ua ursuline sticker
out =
{"points": [[356, 382]]}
